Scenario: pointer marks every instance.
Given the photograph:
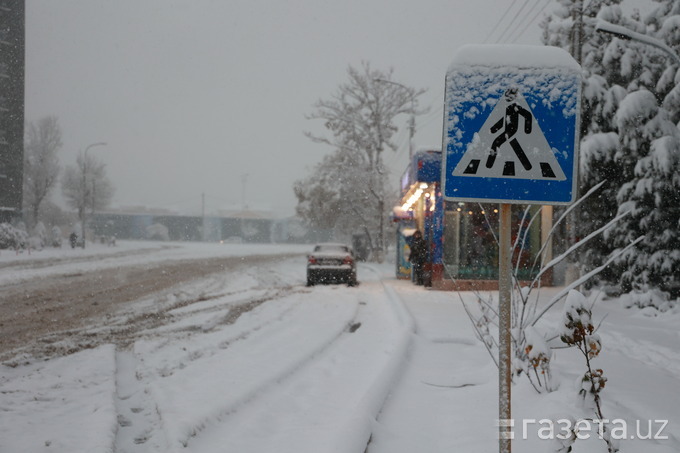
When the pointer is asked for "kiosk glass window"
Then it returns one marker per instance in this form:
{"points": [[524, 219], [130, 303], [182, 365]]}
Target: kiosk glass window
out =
{"points": [[470, 241]]}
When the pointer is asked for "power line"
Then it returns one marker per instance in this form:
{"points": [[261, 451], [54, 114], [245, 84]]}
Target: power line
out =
{"points": [[403, 144], [519, 11], [500, 20], [532, 20], [436, 115], [524, 19], [402, 139]]}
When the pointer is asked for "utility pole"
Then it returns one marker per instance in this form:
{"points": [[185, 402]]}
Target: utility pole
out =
{"points": [[576, 48], [412, 121], [84, 204], [244, 184], [203, 216], [576, 51]]}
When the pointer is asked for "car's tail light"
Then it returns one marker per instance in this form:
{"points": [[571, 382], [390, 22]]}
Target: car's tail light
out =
{"points": [[311, 260], [347, 260]]}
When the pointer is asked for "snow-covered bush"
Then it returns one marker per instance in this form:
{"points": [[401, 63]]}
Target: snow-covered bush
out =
{"points": [[532, 348], [40, 232], [577, 330], [157, 232], [12, 237], [56, 238], [651, 300], [35, 243], [534, 360]]}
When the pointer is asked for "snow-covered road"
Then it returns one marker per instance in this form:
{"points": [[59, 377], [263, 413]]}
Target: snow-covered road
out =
{"points": [[244, 351], [251, 360]]}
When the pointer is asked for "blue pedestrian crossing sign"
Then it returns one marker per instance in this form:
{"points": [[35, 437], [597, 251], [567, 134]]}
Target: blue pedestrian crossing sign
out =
{"points": [[511, 119]]}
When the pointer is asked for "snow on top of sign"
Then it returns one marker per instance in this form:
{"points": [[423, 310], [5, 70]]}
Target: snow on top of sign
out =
{"points": [[522, 56], [472, 89], [480, 74]]}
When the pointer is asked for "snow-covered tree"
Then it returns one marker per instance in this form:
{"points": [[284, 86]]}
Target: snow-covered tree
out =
{"points": [[350, 186], [650, 154], [319, 195], [41, 165], [651, 150], [334, 196], [572, 27], [86, 186], [631, 107]]}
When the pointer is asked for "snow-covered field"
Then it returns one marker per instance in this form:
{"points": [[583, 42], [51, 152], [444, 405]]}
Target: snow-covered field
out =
{"points": [[328, 368]]}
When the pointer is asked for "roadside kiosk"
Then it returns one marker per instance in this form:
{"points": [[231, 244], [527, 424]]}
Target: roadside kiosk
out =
{"points": [[462, 237], [421, 209]]}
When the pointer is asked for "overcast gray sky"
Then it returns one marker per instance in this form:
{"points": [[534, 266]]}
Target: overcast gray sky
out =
{"points": [[191, 95]]}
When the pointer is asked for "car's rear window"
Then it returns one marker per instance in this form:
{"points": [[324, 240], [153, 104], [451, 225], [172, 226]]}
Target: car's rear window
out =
{"points": [[331, 248]]}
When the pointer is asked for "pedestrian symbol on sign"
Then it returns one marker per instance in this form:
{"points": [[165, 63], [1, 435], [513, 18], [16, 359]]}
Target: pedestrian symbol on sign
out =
{"points": [[508, 150]]}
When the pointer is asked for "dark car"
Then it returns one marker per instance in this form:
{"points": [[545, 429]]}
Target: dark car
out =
{"points": [[331, 263]]}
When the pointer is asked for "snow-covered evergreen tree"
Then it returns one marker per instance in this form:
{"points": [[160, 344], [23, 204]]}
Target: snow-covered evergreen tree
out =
{"points": [[649, 152], [602, 93], [630, 110]]}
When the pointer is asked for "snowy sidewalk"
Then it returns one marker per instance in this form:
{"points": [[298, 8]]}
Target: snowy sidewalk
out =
{"points": [[441, 401], [447, 397]]}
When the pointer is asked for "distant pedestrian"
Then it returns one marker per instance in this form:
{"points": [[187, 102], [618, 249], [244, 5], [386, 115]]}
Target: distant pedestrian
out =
{"points": [[418, 256], [73, 238]]}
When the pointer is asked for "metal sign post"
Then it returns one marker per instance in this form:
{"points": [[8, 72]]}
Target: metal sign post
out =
{"points": [[504, 327], [511, 119]]}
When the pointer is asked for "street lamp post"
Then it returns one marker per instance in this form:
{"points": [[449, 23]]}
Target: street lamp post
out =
{"points": [[629, 35], [85, 165], [93, 145], [412, 122]]}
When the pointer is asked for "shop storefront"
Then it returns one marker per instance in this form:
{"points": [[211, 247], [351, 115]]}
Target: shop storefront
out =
{"points": [[471, 254], [421, 208], [461, 237]]}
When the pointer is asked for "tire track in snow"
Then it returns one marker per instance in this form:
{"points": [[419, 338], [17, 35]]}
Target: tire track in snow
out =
{"points": [[139, 420], [237, 375], [337, 393], [176, 334], [372, 405], [140, 423], [337, 389]]}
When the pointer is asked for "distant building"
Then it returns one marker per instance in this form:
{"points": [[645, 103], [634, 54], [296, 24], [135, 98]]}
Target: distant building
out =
{"points": [[139, 223], [225, 226], [12, 23]]}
